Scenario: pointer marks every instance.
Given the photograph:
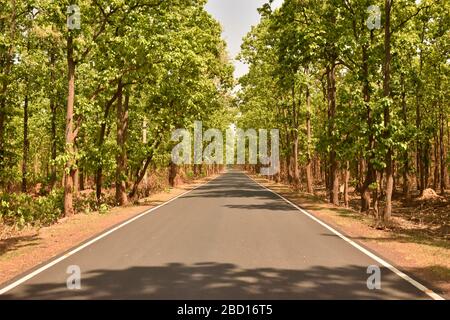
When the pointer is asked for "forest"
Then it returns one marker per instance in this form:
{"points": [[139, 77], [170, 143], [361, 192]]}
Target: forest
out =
{"points": [[90, 95], [359, 90]]}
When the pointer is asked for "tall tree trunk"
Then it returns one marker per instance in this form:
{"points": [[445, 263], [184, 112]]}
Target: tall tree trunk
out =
{"points": [[406, 177], [334, 166], [346, 186], [295, 168], [387, 117], [53, 109], [420, 175], [69, 136], [98, 182], [53, 143], [173, 171], [290, 176], [442, 150], [81, 178], [309, 175], [436, 163], [26, 141], [370, 177], [121, 159], [5, 78], [26, 144], [144, 141]]}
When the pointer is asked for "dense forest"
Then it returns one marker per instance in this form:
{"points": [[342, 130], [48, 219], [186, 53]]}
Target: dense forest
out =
{"points": [[90, 94], [359, 90]]}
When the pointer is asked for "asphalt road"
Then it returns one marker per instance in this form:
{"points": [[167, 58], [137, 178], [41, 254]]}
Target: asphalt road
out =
{"points": [[229, 239]]}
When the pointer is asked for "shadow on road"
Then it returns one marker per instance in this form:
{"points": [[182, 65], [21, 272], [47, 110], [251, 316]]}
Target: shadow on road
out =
{"points": [[232, 186], [221, 281]]}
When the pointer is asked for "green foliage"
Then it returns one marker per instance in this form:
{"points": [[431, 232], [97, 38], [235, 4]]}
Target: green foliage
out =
{"points": [[292, 49], [23, 209]]}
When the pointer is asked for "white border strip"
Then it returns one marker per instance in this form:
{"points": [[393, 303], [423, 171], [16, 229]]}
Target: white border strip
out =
{"points": [[87, 244], [402, 275]]}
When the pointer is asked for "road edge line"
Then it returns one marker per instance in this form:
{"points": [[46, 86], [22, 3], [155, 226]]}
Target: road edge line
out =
{"points": [[77, 249], [381, 261]]}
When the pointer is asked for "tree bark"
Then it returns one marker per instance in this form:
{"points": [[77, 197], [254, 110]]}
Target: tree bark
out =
{"points": [[121, 159], [53, 142], [346, 186], [406, 177], [387, 117], [69, 135], [295, 168], [309, 175], [173, 171], [442, 150], [26, 144], [370, 177], [420, 175], [334, 166]]}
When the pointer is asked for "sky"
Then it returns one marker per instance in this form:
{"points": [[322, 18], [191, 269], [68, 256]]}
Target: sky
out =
{"points": [[237, 17]]}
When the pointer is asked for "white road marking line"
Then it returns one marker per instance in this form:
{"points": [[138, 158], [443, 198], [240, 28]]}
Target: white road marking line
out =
{"points": [[402, 275], [87, 244]]}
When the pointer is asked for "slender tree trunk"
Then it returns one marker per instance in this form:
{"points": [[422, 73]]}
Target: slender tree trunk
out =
{"points": [[370, 177], [406, 177], [442, 150], [290, 176], [69, 136], [173, 171], [76, 179], [334, 166], [309, 175], [81, 178], [53, 110], [420, 175], [296, 171], [346, 186], [295, 168], [26, 141], [98, 183], [53, 143], [436, 174], [26, 144], [141, 173], [4, 89], [121, 159], [144, 141], [387, 117]]}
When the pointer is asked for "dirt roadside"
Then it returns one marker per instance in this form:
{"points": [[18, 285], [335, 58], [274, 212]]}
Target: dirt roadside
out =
{"points": [[31, 247], [426, 260]]}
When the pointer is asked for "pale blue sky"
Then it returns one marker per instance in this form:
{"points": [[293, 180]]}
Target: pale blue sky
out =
{"points": [[237, 17]]}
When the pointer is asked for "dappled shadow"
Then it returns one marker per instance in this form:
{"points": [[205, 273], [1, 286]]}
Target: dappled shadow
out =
{"points": [[270, 206], [15, 243], [232, 185], [222, 281]]}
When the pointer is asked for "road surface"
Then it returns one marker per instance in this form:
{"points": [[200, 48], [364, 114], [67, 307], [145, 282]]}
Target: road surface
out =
{"points": [[229, 239]]}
